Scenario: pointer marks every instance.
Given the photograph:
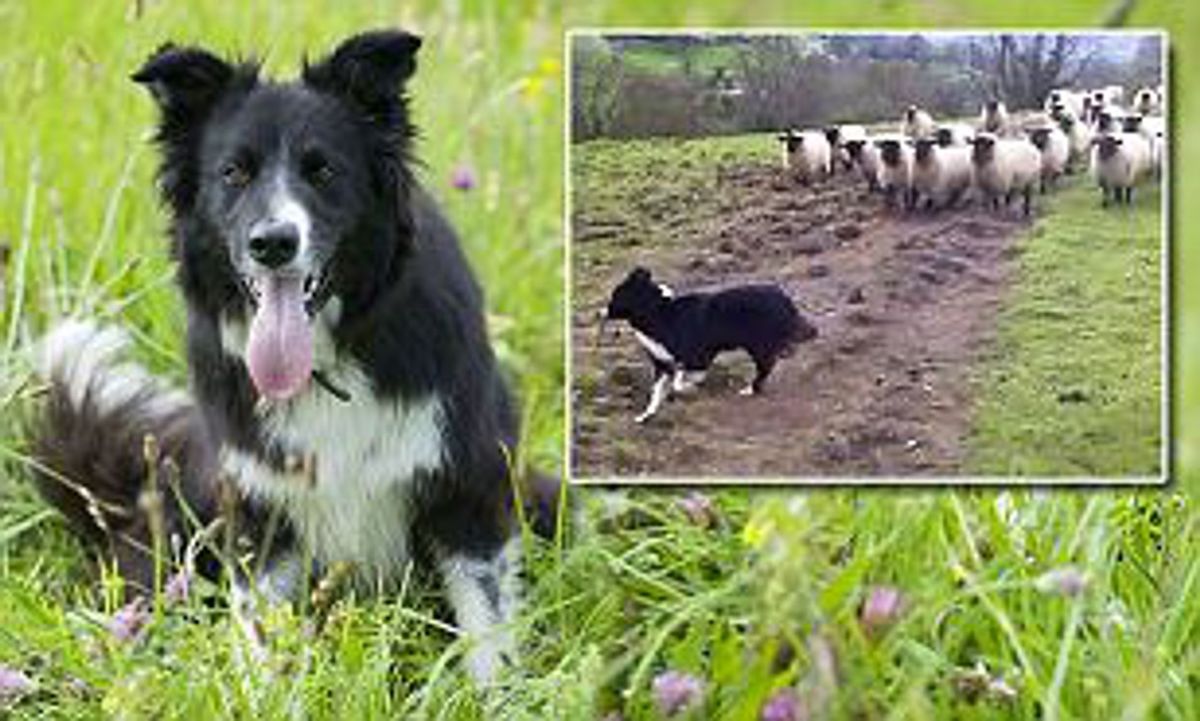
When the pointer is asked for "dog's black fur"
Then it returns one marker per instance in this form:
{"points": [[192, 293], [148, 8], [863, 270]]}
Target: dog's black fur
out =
{"points": [[409, 325], [693, 328]]}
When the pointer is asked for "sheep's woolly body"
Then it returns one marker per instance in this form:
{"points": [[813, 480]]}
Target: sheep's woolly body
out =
{"points": [[1015, 166], [1147, 101], [1063, 99], [917, 124], [1126, 167], [1055, 153], [1079, 139], [943, 174], [954, 134], [898, 175], [994, 119], [869, 164], [865, 157], [811, 158]]}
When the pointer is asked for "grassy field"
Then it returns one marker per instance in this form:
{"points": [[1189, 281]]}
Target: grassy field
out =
{"points": [[868, 604], [1074, 386]]}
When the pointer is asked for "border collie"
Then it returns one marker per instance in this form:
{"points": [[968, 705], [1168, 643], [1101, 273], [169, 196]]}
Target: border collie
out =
{"points": [[683, 334], [343, 385]]}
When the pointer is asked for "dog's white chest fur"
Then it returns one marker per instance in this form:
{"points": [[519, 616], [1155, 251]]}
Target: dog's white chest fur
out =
{"points": [[351, 503], [654, 348]]}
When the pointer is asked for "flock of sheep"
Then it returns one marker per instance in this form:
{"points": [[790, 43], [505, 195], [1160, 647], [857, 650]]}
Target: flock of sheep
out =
{"points": [[998, 157]]}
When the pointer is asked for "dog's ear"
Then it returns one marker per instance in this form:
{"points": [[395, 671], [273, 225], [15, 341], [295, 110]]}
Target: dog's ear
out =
{"points": [[369, 69], [184, 81], [639, 274]]}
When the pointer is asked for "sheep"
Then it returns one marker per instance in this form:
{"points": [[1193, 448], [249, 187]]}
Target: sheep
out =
{"points": [[1158, 151], [895, 169], [1154, 130], [949, 134], [1062, 99], [1079, 140], [1055, 149], [1147, 101], [1149, 127], [806, 154], [1119, 162], [1090, 110], [916, 123], [837, 135], [993, 117], [940, 175], [1110, 118], [865, 155], [1001, 167], [1108, 95]]}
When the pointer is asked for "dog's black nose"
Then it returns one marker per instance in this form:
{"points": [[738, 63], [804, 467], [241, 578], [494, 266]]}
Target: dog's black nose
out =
{"points": [[274, 244]]}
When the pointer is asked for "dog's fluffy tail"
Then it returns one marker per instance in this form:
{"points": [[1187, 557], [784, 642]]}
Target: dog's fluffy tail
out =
{"points": [[118, 452]]}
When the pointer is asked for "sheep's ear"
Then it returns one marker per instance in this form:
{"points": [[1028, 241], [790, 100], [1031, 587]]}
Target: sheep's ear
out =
{"points": [[368, 69], [184, 81]]}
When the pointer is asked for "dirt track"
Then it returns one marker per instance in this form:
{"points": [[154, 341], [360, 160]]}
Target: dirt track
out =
{"points": [[904, 304]]}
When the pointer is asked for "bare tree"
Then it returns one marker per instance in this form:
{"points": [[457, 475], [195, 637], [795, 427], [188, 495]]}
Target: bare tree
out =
{"points": [[1023, 69]]}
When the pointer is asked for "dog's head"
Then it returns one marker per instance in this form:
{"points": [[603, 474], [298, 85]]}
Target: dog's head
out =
{"points": [[636, 294], [286, 195]]}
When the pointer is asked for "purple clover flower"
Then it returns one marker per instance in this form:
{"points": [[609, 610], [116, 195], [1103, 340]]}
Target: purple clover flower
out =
{"points": [[463, 178], [676, 692], [784, 705], [177, 588], [882, 608], [128, 622], [14, 685]]}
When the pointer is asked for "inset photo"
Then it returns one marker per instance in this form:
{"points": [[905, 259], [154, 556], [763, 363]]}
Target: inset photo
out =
{"points": [[870, 257]]}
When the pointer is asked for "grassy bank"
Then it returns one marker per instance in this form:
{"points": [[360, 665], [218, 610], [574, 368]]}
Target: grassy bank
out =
{"points": [[1073, 385]]}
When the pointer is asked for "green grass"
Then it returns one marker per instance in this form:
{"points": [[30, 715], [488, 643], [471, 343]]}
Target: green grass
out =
{"points": [[1074, 384], [639, 589]]}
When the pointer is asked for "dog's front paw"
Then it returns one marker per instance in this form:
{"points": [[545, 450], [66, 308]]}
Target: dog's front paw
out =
{"points": [[642, 418], [748, 391]]}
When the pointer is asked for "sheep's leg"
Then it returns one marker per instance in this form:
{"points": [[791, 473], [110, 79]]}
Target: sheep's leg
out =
{"points": [[1028, 198]]}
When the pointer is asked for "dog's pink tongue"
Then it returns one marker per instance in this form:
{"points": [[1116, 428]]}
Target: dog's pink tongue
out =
{"points": [[280, 348]]}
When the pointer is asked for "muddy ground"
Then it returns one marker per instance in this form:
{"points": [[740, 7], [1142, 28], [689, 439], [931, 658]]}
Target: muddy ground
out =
{"points": [[905, 304]]}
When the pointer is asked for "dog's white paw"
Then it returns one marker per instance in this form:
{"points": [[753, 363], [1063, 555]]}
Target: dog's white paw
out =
{"points": [[642, 417], [747, 391]]}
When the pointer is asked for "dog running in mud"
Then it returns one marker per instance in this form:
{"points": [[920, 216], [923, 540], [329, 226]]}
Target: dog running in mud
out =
{"points": [[683, 334]]}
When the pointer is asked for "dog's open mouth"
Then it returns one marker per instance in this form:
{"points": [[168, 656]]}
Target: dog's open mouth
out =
{"points": [[279, 348]]}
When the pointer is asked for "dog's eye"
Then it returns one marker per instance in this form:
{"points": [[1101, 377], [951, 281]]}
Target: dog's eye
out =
{"points": [[236, 174], [316, 169]]}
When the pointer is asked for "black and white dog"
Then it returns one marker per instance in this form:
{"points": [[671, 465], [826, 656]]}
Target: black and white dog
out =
{"points": [[341, 373], [683, 334]]}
